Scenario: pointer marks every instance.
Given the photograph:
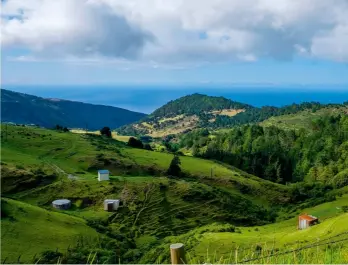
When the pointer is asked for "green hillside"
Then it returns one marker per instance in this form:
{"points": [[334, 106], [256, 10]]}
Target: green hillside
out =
{"points": [[208, 112], [184, 114], [22, 108], [196, 104], [27, 230], [39, 166], [303, 119], [213, 244], [82, 155]]}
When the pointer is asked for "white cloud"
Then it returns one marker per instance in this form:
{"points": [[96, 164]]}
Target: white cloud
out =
{"points": [[70, 28], [179, 31]]}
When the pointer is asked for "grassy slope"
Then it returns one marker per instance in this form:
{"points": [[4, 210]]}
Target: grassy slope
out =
{"points": [[330, 215], [155, 212], [180, 207], [208, 245], [27, 147], [303, 119], [30, 230]]}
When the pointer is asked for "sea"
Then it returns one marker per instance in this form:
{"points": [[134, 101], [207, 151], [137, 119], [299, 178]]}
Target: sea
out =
{"points": [[146, 99]]}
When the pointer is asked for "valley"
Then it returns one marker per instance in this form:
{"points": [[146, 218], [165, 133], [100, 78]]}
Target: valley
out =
{"points": [[220, 205], [174, 132]]}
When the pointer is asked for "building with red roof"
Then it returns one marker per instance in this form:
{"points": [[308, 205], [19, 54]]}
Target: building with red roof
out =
{"points": [[306, 220]]}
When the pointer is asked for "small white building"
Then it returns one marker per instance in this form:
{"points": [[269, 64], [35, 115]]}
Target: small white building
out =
{"points": [[103, 175], [111, 205]]}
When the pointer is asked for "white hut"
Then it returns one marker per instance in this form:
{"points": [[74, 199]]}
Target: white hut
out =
{"points": [[103, 174], [62, 204], [111, 205]]}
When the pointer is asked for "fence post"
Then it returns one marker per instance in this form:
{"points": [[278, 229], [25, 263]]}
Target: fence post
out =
{"points": [[177, 253]]}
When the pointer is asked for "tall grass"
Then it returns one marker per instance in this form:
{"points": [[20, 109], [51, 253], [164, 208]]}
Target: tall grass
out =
{"points": [[330, 253], [333, 252]]}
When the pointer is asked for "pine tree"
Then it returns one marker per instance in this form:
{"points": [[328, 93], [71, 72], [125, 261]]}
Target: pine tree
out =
{"points": [[174, 168]]}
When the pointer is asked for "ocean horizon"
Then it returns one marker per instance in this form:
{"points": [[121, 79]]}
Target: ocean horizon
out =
{"points": [[148, 98]]}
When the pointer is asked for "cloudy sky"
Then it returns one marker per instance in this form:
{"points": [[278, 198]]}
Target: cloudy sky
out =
{"points": [[174, 41]]}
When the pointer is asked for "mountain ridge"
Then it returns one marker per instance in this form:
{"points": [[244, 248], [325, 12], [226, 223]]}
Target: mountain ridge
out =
{"points": [[47, 112], [202, 111]]}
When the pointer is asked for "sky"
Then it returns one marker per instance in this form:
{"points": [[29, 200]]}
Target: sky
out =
{"points": [[173, 42]]}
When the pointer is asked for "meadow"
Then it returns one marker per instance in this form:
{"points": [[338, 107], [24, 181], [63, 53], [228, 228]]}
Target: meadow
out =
{"points": [[303, 119], [213, 208]]}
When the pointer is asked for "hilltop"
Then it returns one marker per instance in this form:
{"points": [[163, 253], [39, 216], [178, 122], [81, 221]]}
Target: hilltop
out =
{"points": [[27, 109], [201, 111], [184, 114]]}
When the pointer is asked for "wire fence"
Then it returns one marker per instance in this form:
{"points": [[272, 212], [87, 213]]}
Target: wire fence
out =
{"points": [[292, 251]]}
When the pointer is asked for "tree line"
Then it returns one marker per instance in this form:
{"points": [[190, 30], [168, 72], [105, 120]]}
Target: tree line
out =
{"points": [[319, 154]]}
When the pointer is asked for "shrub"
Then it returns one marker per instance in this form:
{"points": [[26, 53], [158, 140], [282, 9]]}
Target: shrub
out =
{"points": [[345, 208], [106, 131], [79, 203], [133, 142], [19, 167], [49, 257]]}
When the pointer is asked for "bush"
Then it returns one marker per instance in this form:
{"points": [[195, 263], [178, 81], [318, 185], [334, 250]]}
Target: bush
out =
{"points": [[19, 167], [79, 203], [133, 142], [49, 257], [106, 131]]}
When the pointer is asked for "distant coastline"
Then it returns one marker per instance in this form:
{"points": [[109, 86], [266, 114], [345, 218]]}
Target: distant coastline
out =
{"points": [[148, 98]]}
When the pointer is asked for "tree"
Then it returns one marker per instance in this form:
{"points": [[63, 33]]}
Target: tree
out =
{"points": [[106, 131], [133, 142], [174, 167], [61, 128]]}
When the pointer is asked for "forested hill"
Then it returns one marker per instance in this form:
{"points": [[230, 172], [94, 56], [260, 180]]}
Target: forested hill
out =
{"points": [[196, 104], [201, 111], [184, 114], [27, 109]]}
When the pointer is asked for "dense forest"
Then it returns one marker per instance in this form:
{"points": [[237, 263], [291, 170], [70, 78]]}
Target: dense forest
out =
{"points": [[319, 154]]}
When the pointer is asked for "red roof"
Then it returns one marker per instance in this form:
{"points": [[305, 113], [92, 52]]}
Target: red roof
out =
{"points": [[308, 217]]}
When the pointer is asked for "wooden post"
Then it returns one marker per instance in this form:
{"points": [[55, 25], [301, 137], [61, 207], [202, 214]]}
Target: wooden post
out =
{"points": [[177, 253]]}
